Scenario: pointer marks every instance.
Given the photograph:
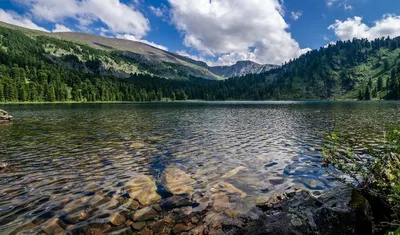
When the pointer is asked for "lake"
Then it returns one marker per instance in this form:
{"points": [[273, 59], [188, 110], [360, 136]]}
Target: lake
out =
{"points": [[79, 167]]}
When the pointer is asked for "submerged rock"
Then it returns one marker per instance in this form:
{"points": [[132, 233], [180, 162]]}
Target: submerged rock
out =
{"points": [[53, 227], [233, 172], [176, 202], [177, 181], [117, 219], [338, 211], [5, 117], [228, 188], [144, 214], [3, 165], [75, 217], [143, 188]]}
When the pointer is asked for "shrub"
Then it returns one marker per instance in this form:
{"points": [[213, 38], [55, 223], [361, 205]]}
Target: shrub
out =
{"points": [[375, 173]]}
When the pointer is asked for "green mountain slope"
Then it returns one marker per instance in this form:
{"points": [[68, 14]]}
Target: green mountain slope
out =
{"points": [[121, 57], [347, 70]]}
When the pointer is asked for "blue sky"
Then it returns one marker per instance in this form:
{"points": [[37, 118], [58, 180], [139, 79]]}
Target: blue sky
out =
{"points": [[216, 31]]}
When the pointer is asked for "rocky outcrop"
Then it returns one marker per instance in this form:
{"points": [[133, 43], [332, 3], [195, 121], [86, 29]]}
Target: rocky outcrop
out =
{"points": [[338, 211], [5, 117]]}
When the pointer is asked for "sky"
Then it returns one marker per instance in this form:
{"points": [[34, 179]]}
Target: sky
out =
{"points": [[219, 32]]}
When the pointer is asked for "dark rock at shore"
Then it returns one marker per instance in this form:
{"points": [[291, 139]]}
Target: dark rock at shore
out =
{"points": [[338, 211], [5, 116]]}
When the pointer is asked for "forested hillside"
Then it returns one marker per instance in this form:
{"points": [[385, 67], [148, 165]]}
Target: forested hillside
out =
{"points": [[27, 73], [42, 68], [347, 70]]}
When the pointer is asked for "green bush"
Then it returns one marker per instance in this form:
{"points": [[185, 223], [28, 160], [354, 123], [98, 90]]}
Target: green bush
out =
{"points": [[375, 172]]}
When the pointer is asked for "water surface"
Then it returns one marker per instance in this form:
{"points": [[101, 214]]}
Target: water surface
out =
{"points": [[67, 155]]}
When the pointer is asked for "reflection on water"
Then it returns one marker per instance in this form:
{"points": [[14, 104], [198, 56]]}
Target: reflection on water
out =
{"points": [[93, 168]]}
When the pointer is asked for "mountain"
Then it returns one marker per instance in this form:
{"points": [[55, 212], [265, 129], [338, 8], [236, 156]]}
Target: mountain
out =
{"points": [[241, 68], [138, 57], [38, 67], [132, 56]]}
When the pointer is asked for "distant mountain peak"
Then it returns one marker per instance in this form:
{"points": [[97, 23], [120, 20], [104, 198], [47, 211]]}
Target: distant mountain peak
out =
{"points": [[241, 68]]}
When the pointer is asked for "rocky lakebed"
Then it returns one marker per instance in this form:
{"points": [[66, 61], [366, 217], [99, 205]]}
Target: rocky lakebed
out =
{"points": [[170, 205]]}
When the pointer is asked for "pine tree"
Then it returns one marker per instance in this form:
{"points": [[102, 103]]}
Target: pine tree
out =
{"points": [[50, 94], [173, 96], [360, 95], [379, 84], [368, 95], [2, 98]]}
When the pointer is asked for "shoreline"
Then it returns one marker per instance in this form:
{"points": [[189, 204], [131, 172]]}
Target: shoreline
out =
{"points": [[204, 101]]}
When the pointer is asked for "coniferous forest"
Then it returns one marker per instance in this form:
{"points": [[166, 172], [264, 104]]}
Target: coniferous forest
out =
{"points": [[357, 69]]}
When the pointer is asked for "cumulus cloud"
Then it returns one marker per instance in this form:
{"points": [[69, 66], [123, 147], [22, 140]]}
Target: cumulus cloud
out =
{"points": [[61, 28], [252, 29], [117, 16], [133, 38], [351, 28], [296, 15], [15, 19]]}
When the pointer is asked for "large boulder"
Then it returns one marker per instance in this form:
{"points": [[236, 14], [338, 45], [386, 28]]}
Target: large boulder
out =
{"points": [[338, 211], [5, 116]]}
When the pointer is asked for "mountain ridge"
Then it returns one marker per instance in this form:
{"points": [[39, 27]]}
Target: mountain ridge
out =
{"points": [[241, 68], [162, 63]]}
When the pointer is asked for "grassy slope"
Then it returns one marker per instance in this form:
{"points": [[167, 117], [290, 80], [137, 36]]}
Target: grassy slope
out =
{"points": [[160, 60]]}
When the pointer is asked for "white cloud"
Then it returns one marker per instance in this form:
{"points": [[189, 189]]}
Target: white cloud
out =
{"points": [[296, 15], [61, 28], [348, 7], [330, 43], [232, 58], [11, 17], [326, 38], [252, 29], [133, 38], [193, 57], [351, 28], [330, 3], [156, 11], [118, 17]]}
